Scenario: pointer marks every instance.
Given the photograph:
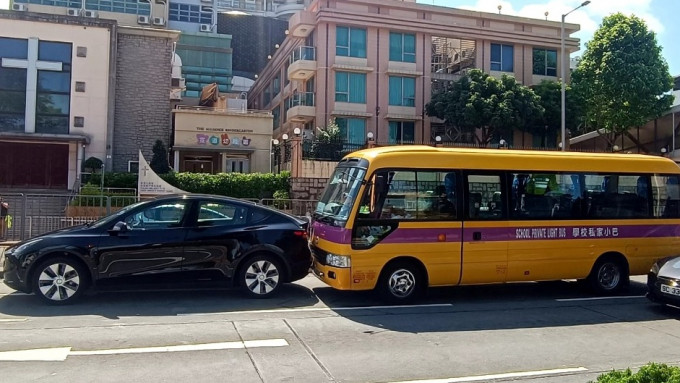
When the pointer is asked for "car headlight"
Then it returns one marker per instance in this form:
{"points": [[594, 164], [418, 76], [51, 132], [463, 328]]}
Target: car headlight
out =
{"points": [[655, 268], [338, 260]]}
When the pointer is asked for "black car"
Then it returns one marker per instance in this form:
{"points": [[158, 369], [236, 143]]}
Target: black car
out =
{"points": [[663, 281], [180, 236]]}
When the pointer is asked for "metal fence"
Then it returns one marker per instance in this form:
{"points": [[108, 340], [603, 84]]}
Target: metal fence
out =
{"points": [[35, 214]]}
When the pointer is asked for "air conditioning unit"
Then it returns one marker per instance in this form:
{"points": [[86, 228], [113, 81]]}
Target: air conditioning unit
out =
{"points": [[89, 13], [19, 7], [73, 11], [205, 28], [142, 19], [178, 83], [158, 21]]}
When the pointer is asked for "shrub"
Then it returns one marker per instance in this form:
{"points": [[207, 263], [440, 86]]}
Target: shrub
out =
{"points": [[159, 161], [649, 373], [253, 185]]}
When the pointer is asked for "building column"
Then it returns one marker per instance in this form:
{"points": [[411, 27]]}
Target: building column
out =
{"points": [[176, 160], [296, 157]]}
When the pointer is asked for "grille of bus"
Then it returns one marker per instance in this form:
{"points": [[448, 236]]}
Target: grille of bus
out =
{"points": [[319, 254]]}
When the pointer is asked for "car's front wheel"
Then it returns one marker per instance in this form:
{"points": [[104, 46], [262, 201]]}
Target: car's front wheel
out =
{"points": [[261, 276], [59, 281]]}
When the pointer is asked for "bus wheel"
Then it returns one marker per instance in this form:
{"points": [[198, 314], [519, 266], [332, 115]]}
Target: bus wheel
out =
{"points": [[400, 282], [609, 276]]}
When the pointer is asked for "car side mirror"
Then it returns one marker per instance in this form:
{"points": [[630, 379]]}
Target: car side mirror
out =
{"points": [[119, 227]]}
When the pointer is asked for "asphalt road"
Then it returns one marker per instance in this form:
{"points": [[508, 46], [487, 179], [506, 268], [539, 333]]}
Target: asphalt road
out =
{"points": [[538, 332]]}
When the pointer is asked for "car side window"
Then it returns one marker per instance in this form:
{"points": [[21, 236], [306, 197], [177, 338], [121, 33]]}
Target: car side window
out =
{"points": [[162, 216], [211, 213]]}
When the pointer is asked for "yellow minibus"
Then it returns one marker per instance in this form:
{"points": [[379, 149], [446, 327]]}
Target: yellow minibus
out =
{"points": [[398, 219]]}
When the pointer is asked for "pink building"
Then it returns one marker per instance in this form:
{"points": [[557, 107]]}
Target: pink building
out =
{"points": [[373, 65]]}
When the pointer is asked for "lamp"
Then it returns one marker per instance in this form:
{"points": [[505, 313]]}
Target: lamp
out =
{"points": [[285, 136], [269, 57], [615, 148], [502, 144], [297, 131], [369, 135], [286, 32], [562, 67], [438, 139], [277, 46], [275, 141]]}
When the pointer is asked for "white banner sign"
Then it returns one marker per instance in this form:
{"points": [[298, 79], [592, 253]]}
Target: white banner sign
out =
{"points": [[151, 184]]}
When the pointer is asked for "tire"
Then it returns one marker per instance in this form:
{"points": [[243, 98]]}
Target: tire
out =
{"points": [[59, 281], [401, 283], [261, 276], [609, 276]]}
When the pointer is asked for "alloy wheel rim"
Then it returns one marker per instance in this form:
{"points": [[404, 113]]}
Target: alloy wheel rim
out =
{"points": [[262, 277], [609, 276], [402, 283], [58, 281]]}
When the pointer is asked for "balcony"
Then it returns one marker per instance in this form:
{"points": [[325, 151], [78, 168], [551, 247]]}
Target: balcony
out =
{"points": [[302, 63], [301, 107], [301, 24]]}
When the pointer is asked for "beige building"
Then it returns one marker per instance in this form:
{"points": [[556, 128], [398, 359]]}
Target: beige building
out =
{"points": [[374, 64], [221, 140]]}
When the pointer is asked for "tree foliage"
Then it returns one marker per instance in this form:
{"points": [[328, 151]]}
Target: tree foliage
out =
{"points": [[159, 161], [622, 76], [493, 107], [550, 93]]}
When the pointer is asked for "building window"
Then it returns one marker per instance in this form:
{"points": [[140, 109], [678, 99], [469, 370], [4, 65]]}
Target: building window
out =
{"points": [[502, 58], [13, 86], [189, 14], [402, 47], [120, 6], [353, 130], [402, 91], [350, 42], [350, 87], [545, 62], [133, 166], [402, 132], [58, 3], [276, 86], [54, 89]]}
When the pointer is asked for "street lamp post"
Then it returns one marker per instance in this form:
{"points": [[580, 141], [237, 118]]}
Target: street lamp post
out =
{"points": [[563, 75]]}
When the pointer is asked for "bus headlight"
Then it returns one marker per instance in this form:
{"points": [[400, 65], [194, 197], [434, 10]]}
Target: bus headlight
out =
{"points": [[338, 260]]}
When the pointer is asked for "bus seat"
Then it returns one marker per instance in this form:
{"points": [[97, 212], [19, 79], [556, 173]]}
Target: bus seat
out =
{"points": [[538, 206], [475, 204]]}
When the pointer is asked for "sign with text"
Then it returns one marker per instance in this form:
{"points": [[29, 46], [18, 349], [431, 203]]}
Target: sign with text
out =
{"points": [[151, 184]]}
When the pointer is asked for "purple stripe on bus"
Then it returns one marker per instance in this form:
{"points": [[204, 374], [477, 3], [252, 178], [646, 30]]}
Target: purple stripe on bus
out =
{"points": [[425, 235], [332, 233]]}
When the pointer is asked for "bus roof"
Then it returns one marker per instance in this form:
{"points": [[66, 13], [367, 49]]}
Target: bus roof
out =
{"points": [[422, 156]]}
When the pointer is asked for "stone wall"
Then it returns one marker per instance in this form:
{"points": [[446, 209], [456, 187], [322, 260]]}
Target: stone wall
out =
{"points": [[142, 111], [307, 188]]}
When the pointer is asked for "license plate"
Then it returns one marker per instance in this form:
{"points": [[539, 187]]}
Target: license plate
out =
{"points": [[670, 290]]}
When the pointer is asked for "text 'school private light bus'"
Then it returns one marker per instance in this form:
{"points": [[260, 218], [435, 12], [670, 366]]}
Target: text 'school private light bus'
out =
{"points": [[398, 219]]}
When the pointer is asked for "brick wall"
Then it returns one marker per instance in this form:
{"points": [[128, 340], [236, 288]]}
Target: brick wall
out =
{"points": [[307, 188], [142, 112]]}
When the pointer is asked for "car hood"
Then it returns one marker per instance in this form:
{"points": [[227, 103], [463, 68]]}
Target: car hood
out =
{"points": [[670, 268]]}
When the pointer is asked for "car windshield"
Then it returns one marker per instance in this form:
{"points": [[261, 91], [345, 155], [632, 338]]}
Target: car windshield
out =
{"points": [[338, 198]]}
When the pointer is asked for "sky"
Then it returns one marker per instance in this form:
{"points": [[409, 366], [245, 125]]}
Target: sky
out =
{"points": [[661, 17]]}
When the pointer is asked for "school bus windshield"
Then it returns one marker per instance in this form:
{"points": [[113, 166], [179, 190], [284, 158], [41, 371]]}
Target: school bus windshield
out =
{"points": [[337, 201]]}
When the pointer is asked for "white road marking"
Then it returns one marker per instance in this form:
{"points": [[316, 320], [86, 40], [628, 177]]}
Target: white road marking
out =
{"points": [[13, 319], [61, 353], [477, 378], [598, 298], [313, 309]]}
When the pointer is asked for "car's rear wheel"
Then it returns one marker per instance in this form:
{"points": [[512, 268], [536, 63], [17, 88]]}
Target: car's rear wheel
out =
{"points": [[59, 280], [261, 276]]}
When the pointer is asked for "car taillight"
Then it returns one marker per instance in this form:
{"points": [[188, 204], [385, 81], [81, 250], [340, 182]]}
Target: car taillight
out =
{"points": [[300, 233]]}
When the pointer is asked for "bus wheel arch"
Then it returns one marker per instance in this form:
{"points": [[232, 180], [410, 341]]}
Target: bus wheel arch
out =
{"points": [[610, 274], [402, 280]]}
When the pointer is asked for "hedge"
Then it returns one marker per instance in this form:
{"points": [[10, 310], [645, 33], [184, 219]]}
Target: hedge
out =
{"points": [[649, 373], [239, 185]]}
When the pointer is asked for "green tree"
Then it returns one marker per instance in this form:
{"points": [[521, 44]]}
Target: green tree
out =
{"points": [[494, 107], [622, 76], [159, 161], [551, 100], [329, 142]]}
